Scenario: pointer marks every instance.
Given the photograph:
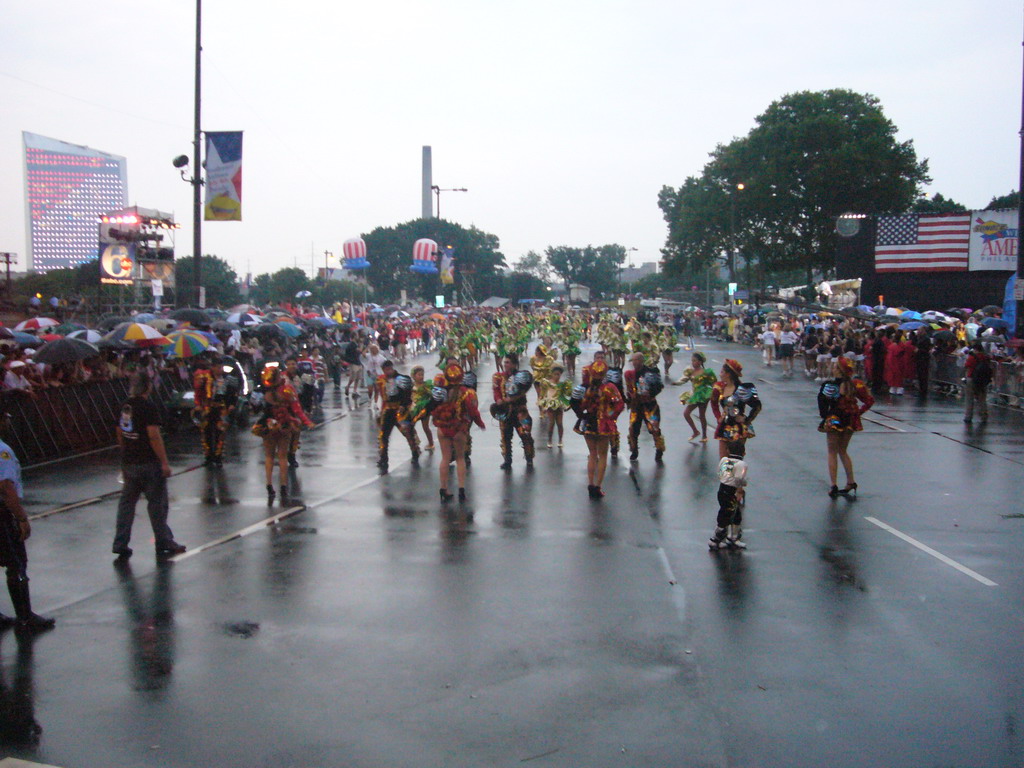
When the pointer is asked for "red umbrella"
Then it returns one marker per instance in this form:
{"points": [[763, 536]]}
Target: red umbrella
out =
{"points": [[50, 336]]}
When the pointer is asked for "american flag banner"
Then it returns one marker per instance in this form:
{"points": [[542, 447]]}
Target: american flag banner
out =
{"points": [[919, 243]]}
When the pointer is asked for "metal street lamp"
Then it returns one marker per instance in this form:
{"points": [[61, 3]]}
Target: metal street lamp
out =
{"points": [[437, 191]]}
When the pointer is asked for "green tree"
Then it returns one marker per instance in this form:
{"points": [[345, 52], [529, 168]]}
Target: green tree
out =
{"points": [[219, 279], [811, 157], [595, 267], [937, 204], [1011, 200], [524, 285], [287, 282], [533, 263], [389, 251]]}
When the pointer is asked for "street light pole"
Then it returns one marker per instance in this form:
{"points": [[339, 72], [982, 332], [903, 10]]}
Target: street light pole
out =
{"points": [[437, 191], [197, 176]]}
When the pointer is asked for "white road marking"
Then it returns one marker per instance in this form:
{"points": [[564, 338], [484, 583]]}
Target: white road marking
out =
{"points": [[269, 521], [937, 555]]}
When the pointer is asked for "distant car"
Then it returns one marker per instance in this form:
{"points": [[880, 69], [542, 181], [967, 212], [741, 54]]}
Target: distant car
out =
{"points": [[180, 405]]}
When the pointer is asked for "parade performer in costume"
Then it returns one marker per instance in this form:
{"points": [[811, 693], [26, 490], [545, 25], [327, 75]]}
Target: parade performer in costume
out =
{"points": [[697, 399], [395, 392], [597, 406], [730, 399], [541, 363], [553, 400], [841, 402], [420, 398], [282, 418], [510, 387], [454, 409], [643, 383], [732, 482], [571, 349], [214, 402], [669, 342]]}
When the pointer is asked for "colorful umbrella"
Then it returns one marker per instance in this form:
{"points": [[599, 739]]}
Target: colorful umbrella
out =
{"points": [[93, 337], [188, 343], [138, 335], [35, 323]]}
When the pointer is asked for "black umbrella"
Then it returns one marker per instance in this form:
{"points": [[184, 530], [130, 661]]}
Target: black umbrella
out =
{"points": [[190, 315], [224, 325], [944, 335], [66, 351], [991, 309], [6, 334], [108, 322], [267, 329]]}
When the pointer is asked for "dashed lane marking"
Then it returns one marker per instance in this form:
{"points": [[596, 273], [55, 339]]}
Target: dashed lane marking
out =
{"points": [[937, 555]]}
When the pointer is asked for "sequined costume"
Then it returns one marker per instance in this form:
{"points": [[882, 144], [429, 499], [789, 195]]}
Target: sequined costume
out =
{"points": [[841, 412], [642, 388], [214, 400], [396, 401], [702, 380], [597, 407], [513, 415]]}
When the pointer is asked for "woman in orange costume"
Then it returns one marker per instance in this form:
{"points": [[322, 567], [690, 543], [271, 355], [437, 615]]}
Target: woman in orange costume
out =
{"points": [[597, 406], [841, 401], [454, 409], [283, 418]]}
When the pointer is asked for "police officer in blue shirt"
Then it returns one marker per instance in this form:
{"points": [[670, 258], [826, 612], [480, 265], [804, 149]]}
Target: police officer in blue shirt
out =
{"points": [[14, 530]]}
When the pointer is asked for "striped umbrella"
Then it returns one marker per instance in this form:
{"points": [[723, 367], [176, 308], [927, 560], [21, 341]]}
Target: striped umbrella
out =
{"points": [[35, 323], [89, 335], [188, 343], [243, 319], [138, 335]]}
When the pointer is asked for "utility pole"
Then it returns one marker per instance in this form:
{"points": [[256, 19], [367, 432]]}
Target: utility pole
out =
{"points": [[437, 191], [1019, 283], [7, 259], [197, 168]]}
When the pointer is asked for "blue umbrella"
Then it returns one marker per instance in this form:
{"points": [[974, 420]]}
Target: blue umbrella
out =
{"points": [[911, 315], [913, 325], [324, 321], [292, 331], [865, 308], [995, 322]]}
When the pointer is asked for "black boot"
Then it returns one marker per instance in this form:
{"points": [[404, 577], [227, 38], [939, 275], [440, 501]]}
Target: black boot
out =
{"points": [[284, 494], [462, 494], [270, 495], [27, 620], [445, 496], [292, 461]]}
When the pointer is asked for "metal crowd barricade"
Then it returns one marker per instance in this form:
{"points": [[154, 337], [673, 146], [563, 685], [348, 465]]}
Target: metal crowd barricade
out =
{"points": [[947, 372], [1008, 383], [55, 423]]}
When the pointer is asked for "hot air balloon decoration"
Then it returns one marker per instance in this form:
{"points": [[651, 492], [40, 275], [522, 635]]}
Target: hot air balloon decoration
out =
{"points": [[424, 257], [355, 254]]}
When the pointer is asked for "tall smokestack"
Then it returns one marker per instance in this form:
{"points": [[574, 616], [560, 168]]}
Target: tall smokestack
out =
{"points": [[428, 204]]}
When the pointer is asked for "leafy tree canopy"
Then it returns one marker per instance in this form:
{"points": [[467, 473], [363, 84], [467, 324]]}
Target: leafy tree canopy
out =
{"points": [[1011, 200], [595, 267], [937, 204], [389, 251], [810, 157], [533, 263], [219, 279], [523, 285]]}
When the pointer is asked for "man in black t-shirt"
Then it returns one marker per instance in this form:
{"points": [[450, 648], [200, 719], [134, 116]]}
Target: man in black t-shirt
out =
{"points": [[145, 470]]}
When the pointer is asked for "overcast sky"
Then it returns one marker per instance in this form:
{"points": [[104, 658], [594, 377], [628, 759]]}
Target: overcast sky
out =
{"points": [[563, 118]]}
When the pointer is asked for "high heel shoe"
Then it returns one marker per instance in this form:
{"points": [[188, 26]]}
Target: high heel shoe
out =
{"points": [[270, 495], [833, 492], [445, 496], [850, 491]]}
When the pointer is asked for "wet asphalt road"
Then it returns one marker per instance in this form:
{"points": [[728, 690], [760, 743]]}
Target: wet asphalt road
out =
{"points": [[374, 628]]}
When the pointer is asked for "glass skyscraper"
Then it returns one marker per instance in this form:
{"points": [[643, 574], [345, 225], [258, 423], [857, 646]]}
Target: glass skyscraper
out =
{"points": [[67, 188]]}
